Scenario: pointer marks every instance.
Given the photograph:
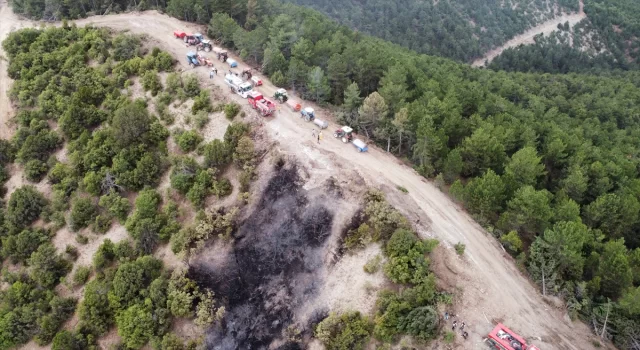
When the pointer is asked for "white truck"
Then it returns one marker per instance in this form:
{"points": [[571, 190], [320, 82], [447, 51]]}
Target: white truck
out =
{"points": [[237, 85]]}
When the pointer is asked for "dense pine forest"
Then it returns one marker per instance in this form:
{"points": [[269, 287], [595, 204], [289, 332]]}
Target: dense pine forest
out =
{"points": [[547, 163], [606, 40]]}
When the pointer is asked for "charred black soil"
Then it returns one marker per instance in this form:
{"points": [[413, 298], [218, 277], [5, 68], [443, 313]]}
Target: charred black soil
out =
{"points": [[272, 268]]}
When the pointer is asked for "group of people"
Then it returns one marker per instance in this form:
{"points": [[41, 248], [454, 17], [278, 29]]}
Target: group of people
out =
{"points": [[213, 71], [454, 325]]}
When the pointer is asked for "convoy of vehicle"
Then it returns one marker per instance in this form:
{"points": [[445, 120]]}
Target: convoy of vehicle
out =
{"points": [[244, 83]]}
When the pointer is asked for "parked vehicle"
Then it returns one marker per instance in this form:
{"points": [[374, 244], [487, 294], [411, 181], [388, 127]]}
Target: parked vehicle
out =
{"points": [[237, 85], [502, 338], [232, 63], [222, 54], [192, 59], [294, 105], [204, 45], [264, 106], [178, 34], [281, 95], [256, 81], [320, 123], [360, 145], [308, 114], [193, 39], [203, 60], [345, 133]]}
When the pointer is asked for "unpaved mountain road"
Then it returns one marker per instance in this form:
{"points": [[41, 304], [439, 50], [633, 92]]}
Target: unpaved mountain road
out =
{"points": [[488, 283], [545, 28]]}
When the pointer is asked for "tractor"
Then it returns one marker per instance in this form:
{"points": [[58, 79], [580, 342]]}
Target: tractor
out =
{"points": [[221, 54], [178, 34], [193, 39], [203, 60], [345, 133], [204, 45], [258, 102], [281, 95], [192, 59], [502, 338], [308, 114]]}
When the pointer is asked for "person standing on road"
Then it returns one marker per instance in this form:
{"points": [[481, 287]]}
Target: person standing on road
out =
{"points": [[211, 74], [462, 326], [313, 133], [319, 136], [453, 327]]}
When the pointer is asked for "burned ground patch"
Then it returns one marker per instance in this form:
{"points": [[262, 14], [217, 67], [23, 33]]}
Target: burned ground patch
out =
{"points": [[271, 269]]}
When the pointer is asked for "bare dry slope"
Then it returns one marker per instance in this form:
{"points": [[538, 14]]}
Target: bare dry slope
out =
{"points": [[545, 28], [8, 22], [489, 284]]}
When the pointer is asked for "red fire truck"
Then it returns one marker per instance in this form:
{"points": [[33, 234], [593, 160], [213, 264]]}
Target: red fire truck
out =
{"points": [[502, 338]]}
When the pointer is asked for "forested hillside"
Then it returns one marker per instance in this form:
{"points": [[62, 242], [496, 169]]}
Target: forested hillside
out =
{"points": [[548, 163], [607, 40], [88, 147], [459, 29]]}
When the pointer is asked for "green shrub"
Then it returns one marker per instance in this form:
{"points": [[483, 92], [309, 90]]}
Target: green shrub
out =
{"points": [[191, 85], [201, 119], [188, 140], [216, 154], [222, 188], [407, 262], [402, 189], [421, 322], [151, 82], [174, 83], [348, 331], [19, 247], [164, 61], [24, 207], [373, 265], [82, 239], [101, 224], [116, 205], [35, 170], [460, 247], [81, 275], [126, 47], [47, 266], [202, 103], [72, 252], [449, 337], [245, 151], [231, 110], [83, 211]]}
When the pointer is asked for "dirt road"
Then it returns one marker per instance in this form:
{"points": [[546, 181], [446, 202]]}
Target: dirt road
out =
{"points": [[545, 28], [489, 284], [8, 23]]}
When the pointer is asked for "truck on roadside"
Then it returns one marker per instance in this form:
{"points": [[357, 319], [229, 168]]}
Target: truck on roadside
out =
{"points": [[238, 85]]}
